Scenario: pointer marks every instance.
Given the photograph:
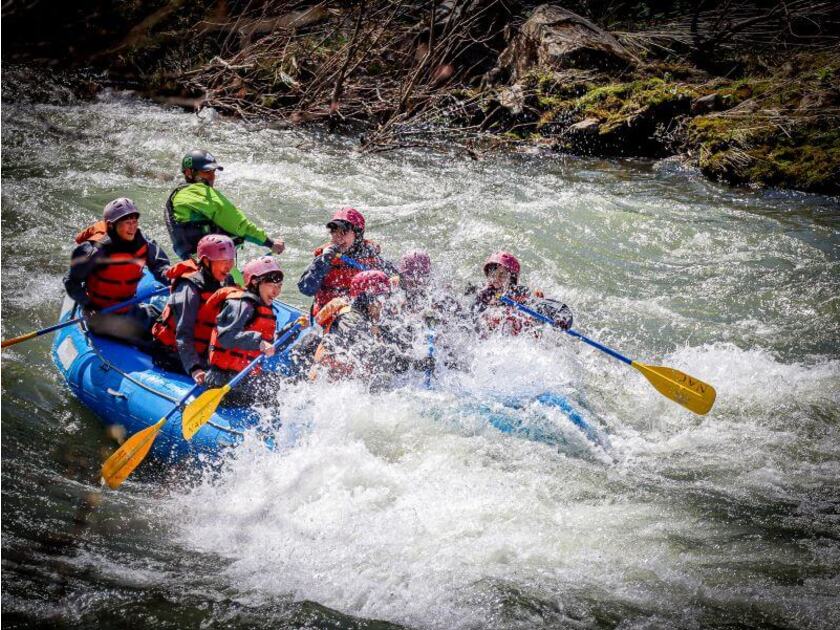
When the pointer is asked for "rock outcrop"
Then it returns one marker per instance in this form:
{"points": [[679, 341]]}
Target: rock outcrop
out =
{"points": [[556, 39]]}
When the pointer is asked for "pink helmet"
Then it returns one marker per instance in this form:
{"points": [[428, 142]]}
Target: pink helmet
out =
{"points": [[351, 216], [415, 264], [505, 259], [369, 283], [119, 209], [260, 267], [216, 247]]}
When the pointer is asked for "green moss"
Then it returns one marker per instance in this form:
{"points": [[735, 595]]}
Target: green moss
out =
{"points": [[752, 149], [552, 102], [827, 74], [613, 104], [810, 160]]}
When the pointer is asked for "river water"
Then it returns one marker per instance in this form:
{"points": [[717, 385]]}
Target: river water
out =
{"points": [[407, 507]]}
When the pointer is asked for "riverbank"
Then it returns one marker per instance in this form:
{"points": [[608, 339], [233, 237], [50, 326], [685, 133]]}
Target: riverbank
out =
{"points": [[749, 96]]}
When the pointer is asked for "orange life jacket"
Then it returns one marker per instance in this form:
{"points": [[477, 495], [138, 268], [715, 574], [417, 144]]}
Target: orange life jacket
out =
{"points": [[264, 322], [116, 275], [337, 281], [326, 317], [164, 329]]}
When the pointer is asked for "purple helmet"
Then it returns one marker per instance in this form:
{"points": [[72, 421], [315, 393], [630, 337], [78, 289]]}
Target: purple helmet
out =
{"points": [[415, 264], [260, 267], [119, 209], [216, 247]]}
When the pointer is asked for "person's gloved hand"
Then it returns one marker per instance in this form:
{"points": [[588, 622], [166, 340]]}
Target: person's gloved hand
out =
{"points": [[518, 293], [426, 364], [88, 313], [198, 375], [277, 245], [564, 322], [331, 251], [302, 321]]}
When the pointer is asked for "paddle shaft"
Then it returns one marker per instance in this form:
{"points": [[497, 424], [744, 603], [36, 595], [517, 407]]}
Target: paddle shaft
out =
{"points": [[76, 320], [202, 408], [430, 339], [353, 263], [539, 316], [132, 453], [238, 378], [193, 390]]}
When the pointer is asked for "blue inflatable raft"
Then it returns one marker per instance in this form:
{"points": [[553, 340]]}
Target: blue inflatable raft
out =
{"points": [[122, 386]]}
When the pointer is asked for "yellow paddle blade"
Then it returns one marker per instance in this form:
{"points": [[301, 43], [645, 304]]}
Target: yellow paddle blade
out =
{"points": [[199, 411], [690, 392], [122, 463]]}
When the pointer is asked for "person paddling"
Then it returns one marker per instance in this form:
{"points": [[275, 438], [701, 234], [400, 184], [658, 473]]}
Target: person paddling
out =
{"points": [[501, 269], [415, 268], [183, 330], [328, 276], [106, 267], [429, 313], [357, 340], [245, 327], [422, 293], [196, 209]]}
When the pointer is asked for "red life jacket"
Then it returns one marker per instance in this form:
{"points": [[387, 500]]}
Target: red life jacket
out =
{"points": [[264, 322], [211, 302], [508, 319], [116, 275], [337, 281]]}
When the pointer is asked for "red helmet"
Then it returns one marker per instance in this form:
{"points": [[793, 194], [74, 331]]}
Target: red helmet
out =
{"points": [[216, 247], [348, 215], [369, 283], [505, 259], [260, 267], [415, 264]]}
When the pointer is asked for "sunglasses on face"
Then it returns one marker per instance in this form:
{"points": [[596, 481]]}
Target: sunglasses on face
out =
{"points": [[341, 227], [274, 278]]}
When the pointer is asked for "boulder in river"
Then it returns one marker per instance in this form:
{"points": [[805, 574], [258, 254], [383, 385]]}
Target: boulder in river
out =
{"points": [[556, 38]]}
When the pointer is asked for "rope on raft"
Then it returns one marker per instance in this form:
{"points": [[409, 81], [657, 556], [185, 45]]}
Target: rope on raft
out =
{"points": [[108, 365]]}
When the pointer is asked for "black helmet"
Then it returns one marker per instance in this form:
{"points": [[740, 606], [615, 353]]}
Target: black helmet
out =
{"points": [[200, 160]]}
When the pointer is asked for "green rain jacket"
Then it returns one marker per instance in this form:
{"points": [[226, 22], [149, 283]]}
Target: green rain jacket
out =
{"points": [[199, 204]]}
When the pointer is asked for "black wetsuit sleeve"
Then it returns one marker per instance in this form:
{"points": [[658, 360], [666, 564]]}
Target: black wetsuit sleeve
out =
{"points": [[184, 304], [158, 262], [82, 263], [231, 323], [311, 279]]}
